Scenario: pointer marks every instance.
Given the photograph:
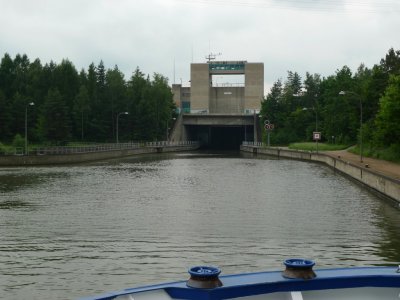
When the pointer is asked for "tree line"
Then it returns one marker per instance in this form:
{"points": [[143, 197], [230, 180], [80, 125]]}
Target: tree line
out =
{"points": [[63, 105], [336, 105]]}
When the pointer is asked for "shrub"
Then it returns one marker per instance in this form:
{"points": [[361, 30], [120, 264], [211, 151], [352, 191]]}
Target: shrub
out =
{"points": [[18, 141]]}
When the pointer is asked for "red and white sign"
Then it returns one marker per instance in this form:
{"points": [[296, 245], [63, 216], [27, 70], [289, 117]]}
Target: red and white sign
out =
{"points": [[269, 126], [316, 136]]}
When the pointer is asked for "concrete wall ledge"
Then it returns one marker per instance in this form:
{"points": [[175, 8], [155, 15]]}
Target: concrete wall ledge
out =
{"points": [[32, 160], [384, 185]]}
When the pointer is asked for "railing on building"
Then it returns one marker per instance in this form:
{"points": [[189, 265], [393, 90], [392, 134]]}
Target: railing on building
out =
{"points": [[60, 150], [253, 144]]}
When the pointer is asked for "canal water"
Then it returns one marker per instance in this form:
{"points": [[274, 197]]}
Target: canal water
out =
{"points": [[73, 231]]}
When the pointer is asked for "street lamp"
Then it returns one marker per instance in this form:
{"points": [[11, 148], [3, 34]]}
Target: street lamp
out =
{"points": [[26, 126], [343, 93], [300, 94], [316, 124], [121, 113], [168, 128], [316, 116]]}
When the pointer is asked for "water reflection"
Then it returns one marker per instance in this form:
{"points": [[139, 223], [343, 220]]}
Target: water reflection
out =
{"points": [[389, 220], [20, 178], [12, 182], [13, 204]]}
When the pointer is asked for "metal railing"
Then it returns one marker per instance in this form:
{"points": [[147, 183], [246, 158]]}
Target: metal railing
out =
{"points": [[65, 150], [253, 144]]}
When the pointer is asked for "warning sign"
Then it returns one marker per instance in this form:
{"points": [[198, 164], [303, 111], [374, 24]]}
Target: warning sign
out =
{"points": [[316, 136]]}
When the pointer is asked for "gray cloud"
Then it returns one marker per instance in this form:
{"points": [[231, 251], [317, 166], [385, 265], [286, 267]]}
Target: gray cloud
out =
{"points": [[315, 36]]}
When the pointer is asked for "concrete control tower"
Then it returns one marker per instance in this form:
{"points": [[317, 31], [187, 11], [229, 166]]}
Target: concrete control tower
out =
{"points": [[210, 109], [205, 97]]}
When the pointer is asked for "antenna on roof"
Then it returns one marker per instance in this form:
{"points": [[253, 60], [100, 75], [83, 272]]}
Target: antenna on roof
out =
{"points": [[212, 56]]}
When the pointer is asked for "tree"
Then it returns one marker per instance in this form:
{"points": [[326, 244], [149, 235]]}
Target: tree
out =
{"points": [[81, 106], [5, 118], [391, 62], [116, 95], [66, 80], [388, 118], [340, 114], [54, 121], [291, 89], [312, 90], [163, 98], [91, 85], [271, 107], [21, 66], [135, 95], [7, 76], [17, 111], [101, 108], [36, 87]]}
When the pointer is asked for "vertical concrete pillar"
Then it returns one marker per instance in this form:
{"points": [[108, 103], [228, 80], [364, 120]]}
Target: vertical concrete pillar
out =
{"points": [[254, 85], [200, 88]]}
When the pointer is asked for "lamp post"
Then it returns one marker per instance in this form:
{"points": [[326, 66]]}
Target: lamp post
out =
{"points": [[168, 129], [316, 123], [316, 116], [26, 126], [343, 93], [121, 113]]}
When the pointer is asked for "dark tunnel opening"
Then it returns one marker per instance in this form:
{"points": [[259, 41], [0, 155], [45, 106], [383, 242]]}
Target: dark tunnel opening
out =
{"points": [[221, 137]]}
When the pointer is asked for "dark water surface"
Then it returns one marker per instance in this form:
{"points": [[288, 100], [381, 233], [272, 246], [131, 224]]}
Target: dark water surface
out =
{"points": [[73, 231]]}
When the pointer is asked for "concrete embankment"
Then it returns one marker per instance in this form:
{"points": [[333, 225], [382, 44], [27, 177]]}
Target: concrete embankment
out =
{"points": [[30, 160], [384, 185]]}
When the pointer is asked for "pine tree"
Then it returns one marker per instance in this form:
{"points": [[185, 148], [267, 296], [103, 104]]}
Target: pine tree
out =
{"points": [[54, 121]]}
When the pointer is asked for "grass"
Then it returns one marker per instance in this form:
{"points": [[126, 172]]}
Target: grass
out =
{"points": [[391, 153], [311, 146]]}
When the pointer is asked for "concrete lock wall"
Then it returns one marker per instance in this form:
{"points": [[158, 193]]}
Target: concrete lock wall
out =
{"points": [[382, 184], [227, 100], [23, 160]]}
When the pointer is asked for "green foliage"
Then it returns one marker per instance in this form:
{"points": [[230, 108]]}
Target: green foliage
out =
{"points": [[321, 146], [5, 117], [18, 141], [85, 105], [390, 153], [3, 149], [318, 106], [388, 118], [80, 106], [54, 121]]}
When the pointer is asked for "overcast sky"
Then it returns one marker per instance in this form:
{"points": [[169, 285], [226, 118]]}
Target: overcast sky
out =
{"points": [[318, 36]]}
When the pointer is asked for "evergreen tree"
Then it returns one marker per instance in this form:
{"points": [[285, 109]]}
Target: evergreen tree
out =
{"points": [[135, 95], [81, 107], [54, 121], [116, 95], [291, 90], [391, 62], [36, 86], [5, 118], [91, 85], [21, 67], [7, 76], [17, 112]]}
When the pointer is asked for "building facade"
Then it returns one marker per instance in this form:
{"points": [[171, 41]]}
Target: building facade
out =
{"points": [[204, 96]]}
